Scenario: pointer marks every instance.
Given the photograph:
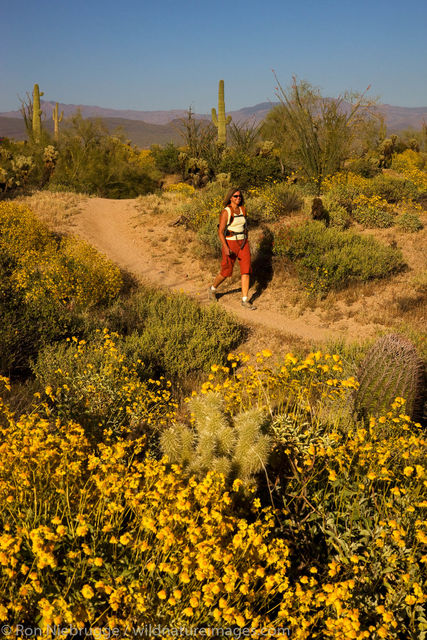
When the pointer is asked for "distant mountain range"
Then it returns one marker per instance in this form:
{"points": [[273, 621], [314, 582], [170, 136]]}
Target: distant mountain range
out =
{"points": [[145, 128]]}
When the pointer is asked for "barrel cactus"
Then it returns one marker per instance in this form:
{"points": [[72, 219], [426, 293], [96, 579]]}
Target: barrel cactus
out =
{"points": [[220, 121], [390, 369]]}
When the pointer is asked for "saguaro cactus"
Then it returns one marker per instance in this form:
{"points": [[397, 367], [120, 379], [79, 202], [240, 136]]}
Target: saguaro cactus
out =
{"points": [[56, 120], [220, 121], [37, 113]]}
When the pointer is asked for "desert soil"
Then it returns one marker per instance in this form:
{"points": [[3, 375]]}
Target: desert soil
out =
{"points": [[156, 252], [140, 236]]}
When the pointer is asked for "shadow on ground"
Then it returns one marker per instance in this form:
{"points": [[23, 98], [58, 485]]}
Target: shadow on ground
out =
{"points": [[262, 265]]}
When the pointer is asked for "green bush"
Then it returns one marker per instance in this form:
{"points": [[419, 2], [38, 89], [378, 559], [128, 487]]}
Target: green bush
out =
{"points": [[373, 217], [331, 258], [207, 235], [93, 161], [339, 217], [249, 170], [409, 222], [206, 204], [95, 384], [391, 188], [166, 158], [173, 335], [367, 167], [47, 285]]}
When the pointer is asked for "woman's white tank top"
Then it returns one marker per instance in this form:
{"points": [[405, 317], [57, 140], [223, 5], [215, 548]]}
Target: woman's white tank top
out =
{"points": [[237, 227]]}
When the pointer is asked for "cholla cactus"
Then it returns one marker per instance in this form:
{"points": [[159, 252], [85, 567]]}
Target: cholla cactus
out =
{"points": [[56, 120], [236, 450], [37, 113], [391, 368], [220, 121]]}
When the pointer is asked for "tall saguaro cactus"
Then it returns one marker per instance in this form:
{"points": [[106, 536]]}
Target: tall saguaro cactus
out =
{"points": [[56, 120], [37, 113], [220, 121]]}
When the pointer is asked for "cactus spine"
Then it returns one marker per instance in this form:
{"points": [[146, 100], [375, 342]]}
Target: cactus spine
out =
{"points": [[37, 113], [235, 448], [220, 121], [56, 120], [391, 368]]}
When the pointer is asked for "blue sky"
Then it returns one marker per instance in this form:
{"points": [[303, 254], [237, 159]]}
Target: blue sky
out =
{"points": [[166, 54]]}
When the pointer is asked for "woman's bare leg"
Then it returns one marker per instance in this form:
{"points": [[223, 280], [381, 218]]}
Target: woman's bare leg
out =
{"points": [[245, 285], [218, 280]]}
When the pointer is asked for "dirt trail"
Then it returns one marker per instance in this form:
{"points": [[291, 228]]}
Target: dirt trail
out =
{"points": [[155, 252]]}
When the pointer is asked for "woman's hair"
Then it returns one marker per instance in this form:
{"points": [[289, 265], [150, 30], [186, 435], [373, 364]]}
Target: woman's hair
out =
{"points": [[227, 198]]}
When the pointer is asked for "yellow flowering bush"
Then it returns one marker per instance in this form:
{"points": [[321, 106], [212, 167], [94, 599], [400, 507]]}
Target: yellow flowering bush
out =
{"points": [[43, 268], [182, 188], [94, 384], [111, 539], [372, 211], [105, 536], [356, 502], [411, 165], [45, 283]]}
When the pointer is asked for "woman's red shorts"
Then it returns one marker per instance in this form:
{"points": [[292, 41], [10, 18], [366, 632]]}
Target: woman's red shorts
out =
{"points": [[242, 255]]}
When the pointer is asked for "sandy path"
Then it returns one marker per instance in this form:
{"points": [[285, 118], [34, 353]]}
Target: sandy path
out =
{"points": [[147, 247]]}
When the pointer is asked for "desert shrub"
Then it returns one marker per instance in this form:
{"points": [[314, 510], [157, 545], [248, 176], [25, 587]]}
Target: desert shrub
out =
{"points": [[335, 257], [255, 205], [279, 200], [373, 212], [409, 222], [166, 157], [93, 161], [206, 203], [94, 384], [181, 188], [391, 188], [367, 166], [249, 170], [412, 166], [173, 334], [46, 283], [207, 235], [339, 217], [343, 188]]}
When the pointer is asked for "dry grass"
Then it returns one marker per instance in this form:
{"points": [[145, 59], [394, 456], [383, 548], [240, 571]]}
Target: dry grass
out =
{"points": [[54, 209], [165, 203]]}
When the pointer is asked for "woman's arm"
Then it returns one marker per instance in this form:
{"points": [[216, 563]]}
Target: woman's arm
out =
{"points": [[221, 231]]}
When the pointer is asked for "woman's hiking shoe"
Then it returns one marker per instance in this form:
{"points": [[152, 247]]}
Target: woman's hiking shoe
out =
{"points": [[248, 305], [212, 295]]}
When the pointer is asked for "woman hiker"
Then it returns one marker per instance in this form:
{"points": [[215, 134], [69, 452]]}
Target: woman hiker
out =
{"points": [[232, 231]]}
